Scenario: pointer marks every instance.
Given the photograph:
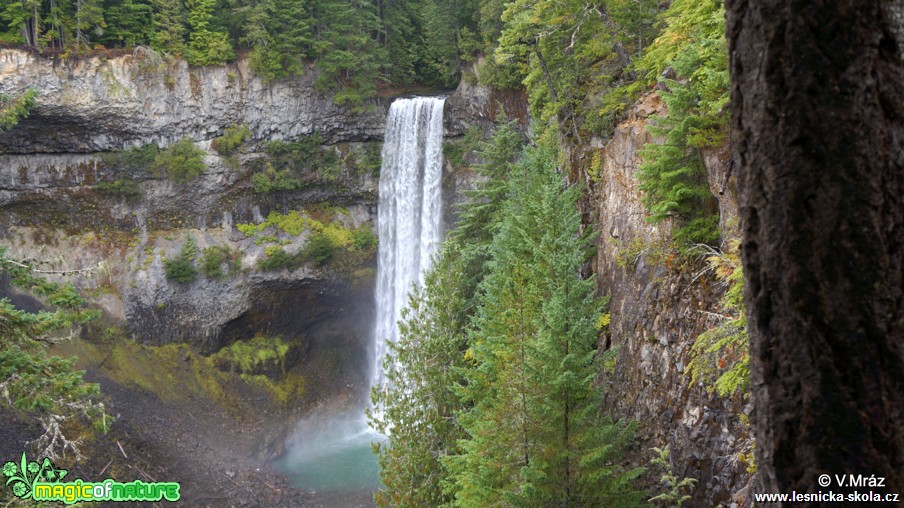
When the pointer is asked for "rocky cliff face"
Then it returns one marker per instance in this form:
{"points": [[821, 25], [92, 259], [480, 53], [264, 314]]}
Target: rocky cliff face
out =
{"points": [[96, 104], [659, 306], [54, 207]]}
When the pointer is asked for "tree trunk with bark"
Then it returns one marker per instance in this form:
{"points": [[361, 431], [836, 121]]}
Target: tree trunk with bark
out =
{"points": [[818, 137]]}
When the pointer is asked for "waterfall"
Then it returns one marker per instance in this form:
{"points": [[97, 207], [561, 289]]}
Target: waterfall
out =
{"points": [[409, 213]]}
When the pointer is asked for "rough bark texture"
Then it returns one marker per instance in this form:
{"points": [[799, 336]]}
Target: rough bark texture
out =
{"points": [[818, 138]]}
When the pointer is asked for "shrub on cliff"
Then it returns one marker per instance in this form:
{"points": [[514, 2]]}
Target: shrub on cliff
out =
{"points": [[182, 267], [320, 249], [219, 261], [231, 140], [181, 162]]}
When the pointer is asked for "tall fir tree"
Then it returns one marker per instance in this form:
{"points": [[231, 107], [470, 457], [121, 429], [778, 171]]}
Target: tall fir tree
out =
{"points": [[128, 23], [169, 30], [206, 46], [346, 48], [534, 435]]}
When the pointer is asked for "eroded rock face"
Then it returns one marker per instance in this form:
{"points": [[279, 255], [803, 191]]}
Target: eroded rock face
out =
{"points": [[658, 309], [96, 104], [52, 207]]}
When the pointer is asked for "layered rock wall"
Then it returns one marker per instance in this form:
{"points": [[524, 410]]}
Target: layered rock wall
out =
{"points": [[660, 304]]}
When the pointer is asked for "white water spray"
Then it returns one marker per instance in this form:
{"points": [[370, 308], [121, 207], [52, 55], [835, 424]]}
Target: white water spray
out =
{"points": [[409, 214]]}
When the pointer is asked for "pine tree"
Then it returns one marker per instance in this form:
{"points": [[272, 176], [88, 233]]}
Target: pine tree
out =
{"points": [[440, 54], [280, 35], [480, 215], [129, 23], [346, 47], [46, 388], [24, 18], [400, 36], [12, 109], [672, 174]]}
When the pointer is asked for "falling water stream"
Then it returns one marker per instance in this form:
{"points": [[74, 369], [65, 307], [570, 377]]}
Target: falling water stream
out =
{"points": [[333, 453]]}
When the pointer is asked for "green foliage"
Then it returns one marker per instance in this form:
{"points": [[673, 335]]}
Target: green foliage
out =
{"points": [[47, 388], [363, 239], [329, 243], [419, 401], [129, 23], [205, 47], [219, 262], [673, 175], [253, 356], [720, 358], [270, 180], [182, 267], [12, 109], [366, 159], [277, 259], [231, 140], [347, 54], [455, 151], [286, 161], [169, 30], [534, 437], [135, 159], [673, 495], [125, 187], [320, 249], [181, 162]]}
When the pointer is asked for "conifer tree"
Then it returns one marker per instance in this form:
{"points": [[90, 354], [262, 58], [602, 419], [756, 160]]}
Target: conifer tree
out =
{"points": [[46, 388], [89, 15], [399, 34], [418, 404], [169, 31], [534, 436], [128, 23], [280, 35], [205, 46], [345, 46]]}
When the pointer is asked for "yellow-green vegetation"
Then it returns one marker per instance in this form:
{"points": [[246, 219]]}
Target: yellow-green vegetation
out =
{"points": [[655, 252], [253, 356], [720, 358], [178, 374], [329, 243]]}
